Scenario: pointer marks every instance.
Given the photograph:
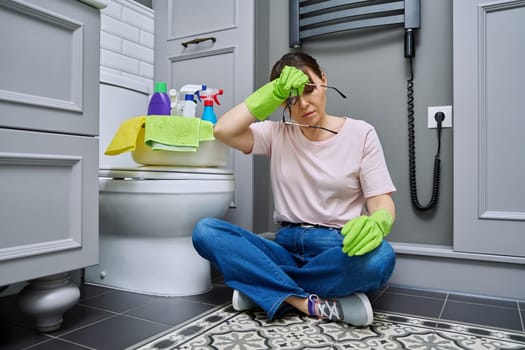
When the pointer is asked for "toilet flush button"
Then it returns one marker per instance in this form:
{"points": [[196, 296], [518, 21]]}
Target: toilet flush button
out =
{"points": [[103, 275]]}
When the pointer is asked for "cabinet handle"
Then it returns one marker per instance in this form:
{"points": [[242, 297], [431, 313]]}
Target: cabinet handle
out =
{"points": [[198, 41]]}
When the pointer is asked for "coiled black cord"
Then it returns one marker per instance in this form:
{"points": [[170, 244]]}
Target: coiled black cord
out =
{"points": [[412, 151]]}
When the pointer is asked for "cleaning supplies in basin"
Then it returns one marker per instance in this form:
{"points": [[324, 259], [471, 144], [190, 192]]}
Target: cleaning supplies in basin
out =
{"points": [[171, 134]]}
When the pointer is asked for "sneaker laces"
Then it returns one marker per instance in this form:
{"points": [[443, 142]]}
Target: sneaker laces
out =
{"points": [[324, 309]]}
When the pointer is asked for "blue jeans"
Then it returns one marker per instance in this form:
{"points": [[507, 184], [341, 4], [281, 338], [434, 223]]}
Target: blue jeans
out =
{"points": [[301, 261]]}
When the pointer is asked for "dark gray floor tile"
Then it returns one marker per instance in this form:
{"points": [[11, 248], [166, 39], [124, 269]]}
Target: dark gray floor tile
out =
{"points": [[374, 294], [119, 301], [486, 315], [13, 337], [417, 292], [79, 316], [484, 301], [114, 333], [88, 291], [170, 311], [408, 304], [57, 344], [217, 296], [10, 313]]}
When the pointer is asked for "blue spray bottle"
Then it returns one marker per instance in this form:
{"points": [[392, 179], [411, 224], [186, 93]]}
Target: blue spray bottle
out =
{"points": [[209, 96], [208, 114]]}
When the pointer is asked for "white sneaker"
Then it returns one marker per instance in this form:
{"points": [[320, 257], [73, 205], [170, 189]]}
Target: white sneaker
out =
{"points": [[241, 302], [354, 309]]}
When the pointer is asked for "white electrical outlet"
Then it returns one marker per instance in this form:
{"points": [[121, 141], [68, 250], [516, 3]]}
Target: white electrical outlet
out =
{"points": [[447, 122]]}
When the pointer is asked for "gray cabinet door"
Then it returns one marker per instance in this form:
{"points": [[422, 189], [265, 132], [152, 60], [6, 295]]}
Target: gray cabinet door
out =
{"points": [[224, 62], [489, 164], [48, 204], [48, 63]]}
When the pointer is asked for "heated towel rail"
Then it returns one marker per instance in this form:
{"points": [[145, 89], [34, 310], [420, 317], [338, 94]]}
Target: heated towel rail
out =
{"points": [[314, 18]]}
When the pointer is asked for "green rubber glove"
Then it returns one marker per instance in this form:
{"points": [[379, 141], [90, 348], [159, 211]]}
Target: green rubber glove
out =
{"points": [[365, 233], [269, 97]]}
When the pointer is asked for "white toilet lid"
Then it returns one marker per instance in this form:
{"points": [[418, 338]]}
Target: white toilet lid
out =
{"points": [[166, 173]]}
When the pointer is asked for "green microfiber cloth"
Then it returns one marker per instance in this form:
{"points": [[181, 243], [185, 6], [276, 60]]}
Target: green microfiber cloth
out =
{"points": [[174, 133], [206, 132]]}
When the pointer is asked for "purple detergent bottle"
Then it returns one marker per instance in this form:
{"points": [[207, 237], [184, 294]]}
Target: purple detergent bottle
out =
{"points": [[160, 103]]}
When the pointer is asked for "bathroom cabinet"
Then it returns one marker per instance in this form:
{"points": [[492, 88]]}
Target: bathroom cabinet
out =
{"points": [[49, 122], [489, 75]]}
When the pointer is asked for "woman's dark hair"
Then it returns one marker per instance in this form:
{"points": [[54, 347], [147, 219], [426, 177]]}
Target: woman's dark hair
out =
{"points": [[299, 60]]}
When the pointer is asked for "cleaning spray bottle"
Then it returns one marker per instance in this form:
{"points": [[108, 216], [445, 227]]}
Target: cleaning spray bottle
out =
{"points": [[174, 101], [188, 102], [160, 101], [209, 96]]}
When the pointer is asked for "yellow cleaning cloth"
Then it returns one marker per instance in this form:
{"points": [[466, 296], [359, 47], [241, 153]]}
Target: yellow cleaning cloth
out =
{"points": [[176, 133], [126, 137]]}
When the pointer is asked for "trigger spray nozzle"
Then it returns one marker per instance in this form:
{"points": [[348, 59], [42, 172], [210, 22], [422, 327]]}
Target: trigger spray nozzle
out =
{"points": [[211, 94]]}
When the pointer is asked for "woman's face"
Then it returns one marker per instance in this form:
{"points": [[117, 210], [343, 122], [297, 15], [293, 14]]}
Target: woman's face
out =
{"points": [[310, 107]]}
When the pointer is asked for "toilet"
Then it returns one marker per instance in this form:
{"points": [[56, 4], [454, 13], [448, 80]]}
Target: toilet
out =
{"points": [[147, 212], [146, 218]]}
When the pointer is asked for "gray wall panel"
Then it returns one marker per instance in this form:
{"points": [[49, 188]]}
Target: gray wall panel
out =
{"points": [[369, 65]]}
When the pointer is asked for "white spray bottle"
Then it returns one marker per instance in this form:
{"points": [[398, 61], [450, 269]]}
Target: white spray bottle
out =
{"points": [[188, 102], [173, 94]]}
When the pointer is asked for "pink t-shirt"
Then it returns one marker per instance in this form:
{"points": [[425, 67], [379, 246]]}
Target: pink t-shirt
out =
{"points": [[322, 182]]}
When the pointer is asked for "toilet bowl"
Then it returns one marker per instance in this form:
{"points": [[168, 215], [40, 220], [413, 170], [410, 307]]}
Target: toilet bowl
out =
{"points": [[149, 202], [147, 215]]}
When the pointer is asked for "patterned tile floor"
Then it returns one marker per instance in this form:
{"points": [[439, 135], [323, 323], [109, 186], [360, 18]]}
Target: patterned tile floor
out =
{"points": [[112, 319], [225, 328]]}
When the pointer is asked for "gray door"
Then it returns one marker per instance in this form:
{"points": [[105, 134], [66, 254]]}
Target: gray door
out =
{"points": [[489, 164], [225, 59]]}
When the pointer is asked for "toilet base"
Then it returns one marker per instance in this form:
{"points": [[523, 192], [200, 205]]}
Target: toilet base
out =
{"points": [[155, 266]]}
